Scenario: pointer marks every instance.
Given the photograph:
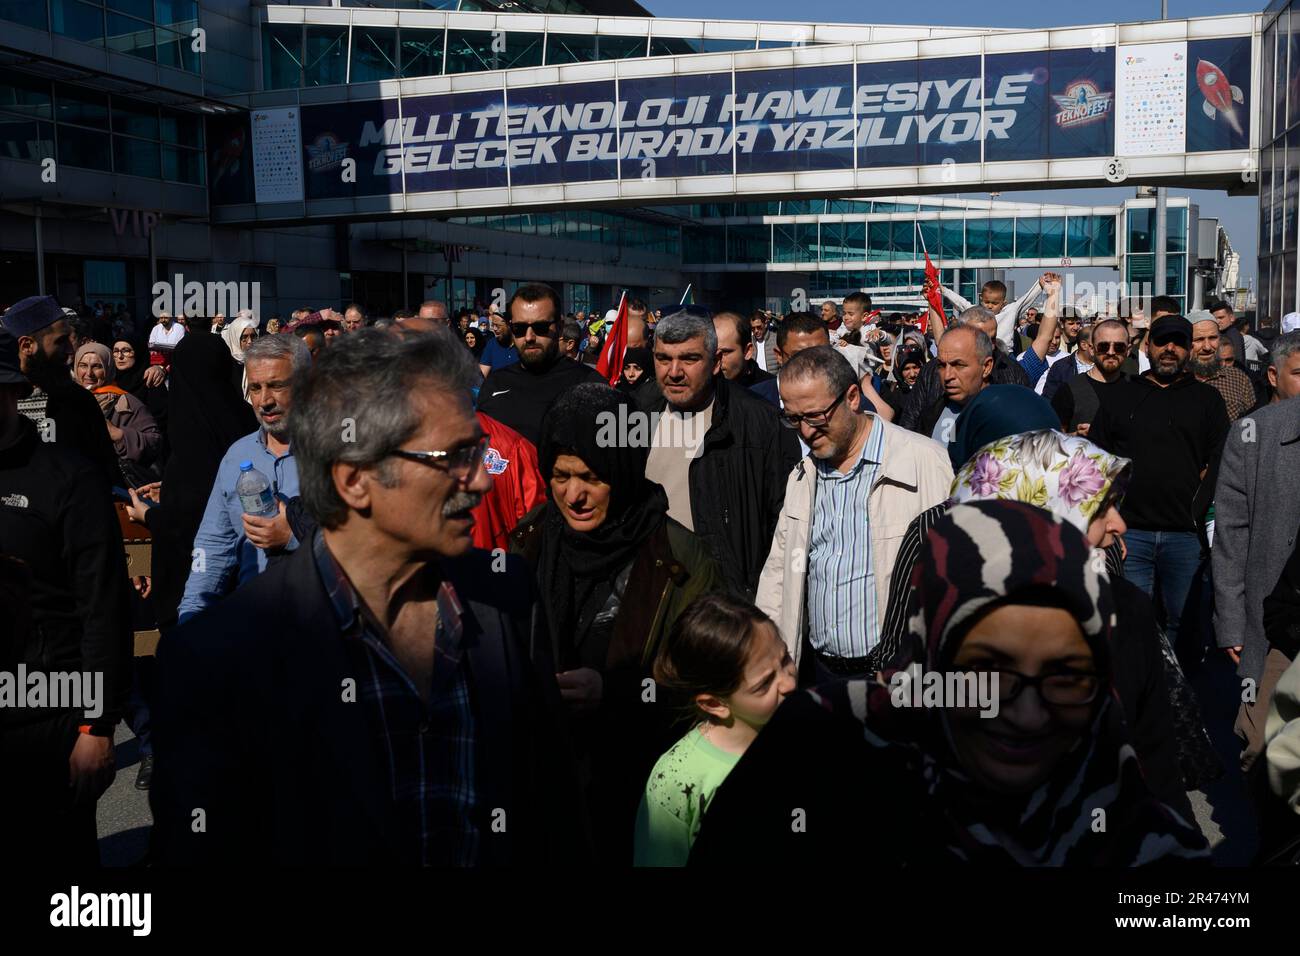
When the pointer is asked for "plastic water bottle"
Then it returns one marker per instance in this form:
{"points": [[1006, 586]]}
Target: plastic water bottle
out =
{"points": [[254, 490]]}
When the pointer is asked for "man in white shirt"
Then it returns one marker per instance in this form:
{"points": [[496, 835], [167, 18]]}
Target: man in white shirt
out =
{"points": [[167, 334]]}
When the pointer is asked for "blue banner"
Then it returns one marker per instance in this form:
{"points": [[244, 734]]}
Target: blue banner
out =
{"points": [[1218, 94], [673, 126], [333, 134]]}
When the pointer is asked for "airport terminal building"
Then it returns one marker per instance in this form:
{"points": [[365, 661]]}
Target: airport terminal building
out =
{"points": [[450, 148]]}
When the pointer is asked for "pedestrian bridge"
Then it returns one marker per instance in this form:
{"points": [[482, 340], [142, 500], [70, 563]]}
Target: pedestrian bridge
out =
{"points": [[765, 110]]}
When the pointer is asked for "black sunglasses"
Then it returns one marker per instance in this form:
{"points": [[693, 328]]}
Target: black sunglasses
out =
{"points": [[541, 329], [1104, 348]]}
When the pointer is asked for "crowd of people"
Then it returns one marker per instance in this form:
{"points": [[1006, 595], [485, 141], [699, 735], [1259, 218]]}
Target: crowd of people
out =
{"points": [[656, 587]]}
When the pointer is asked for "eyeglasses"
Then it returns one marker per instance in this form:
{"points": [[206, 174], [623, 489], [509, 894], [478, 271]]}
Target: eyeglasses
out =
{"points": [[815, 419], [1105, 348], [541, 329], [1062, 688], [123, 351], [460, 463]]}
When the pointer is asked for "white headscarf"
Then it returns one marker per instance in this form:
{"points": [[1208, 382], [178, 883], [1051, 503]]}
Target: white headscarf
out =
{"points": [[231, 334]]}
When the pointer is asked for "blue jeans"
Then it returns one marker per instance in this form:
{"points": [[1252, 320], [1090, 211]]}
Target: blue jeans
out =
{"points": [[1172, 558]]}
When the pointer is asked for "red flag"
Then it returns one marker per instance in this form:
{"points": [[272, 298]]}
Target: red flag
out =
{"points": [[611, 356], [933, 294]]}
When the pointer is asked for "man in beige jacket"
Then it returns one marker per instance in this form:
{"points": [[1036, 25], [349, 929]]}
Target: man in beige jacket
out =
{"points": [[847, 506]]}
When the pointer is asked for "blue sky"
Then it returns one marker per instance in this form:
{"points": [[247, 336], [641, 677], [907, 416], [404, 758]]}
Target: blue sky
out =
{"points": [[1237, 214]]}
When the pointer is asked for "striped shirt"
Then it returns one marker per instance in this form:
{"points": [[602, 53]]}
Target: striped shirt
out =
{"points": [[429, 750], [843, 617]]}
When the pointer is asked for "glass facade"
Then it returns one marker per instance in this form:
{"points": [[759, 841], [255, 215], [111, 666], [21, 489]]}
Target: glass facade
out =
{"points": [[589, 225], [155, 30], [92, 130], [1279, 164], [1140, 262]]}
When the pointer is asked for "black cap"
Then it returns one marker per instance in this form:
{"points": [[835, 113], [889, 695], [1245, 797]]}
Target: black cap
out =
{"points": [[32, 314], [11, 370], [1170, 327]]}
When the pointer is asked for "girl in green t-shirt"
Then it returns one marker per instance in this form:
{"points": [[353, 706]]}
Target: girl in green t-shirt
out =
{"points": [[727, 659]]}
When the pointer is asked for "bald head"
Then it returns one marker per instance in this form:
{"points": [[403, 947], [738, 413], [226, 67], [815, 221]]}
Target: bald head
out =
{"points": [[636, 331], [435, 311], [422, 322]]}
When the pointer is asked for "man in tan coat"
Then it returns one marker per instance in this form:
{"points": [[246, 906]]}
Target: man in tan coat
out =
{"points": [[847, 505]]}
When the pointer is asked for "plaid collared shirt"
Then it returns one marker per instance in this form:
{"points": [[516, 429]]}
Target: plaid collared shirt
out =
{"points": [[430, 751], [1235, 387]]}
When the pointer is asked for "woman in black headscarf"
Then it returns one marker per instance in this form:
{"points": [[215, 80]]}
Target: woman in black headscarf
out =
{"points": [[1038, 771], [614, 572], [206, 416], [474, 341], [131, 361]]}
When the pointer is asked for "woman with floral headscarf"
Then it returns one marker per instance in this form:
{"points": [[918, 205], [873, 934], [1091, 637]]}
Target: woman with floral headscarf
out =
{"points": [[132, 429], [1008, 598], [1084, 485]]}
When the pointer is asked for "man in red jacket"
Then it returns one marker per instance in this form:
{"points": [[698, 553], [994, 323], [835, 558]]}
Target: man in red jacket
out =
{"points": [[517, 485]]}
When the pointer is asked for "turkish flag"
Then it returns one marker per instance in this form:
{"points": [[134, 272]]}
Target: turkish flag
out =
{"points": [[933, 295], [610, 364]]}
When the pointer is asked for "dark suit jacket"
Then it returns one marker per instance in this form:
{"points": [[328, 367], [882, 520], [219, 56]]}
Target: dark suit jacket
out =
{"points": [[251, 727]]}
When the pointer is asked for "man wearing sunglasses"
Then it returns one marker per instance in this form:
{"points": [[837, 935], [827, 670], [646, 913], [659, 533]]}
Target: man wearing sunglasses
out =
{"points": [[518, 395], [384, 696], [1078, 402], [1172, 427]]}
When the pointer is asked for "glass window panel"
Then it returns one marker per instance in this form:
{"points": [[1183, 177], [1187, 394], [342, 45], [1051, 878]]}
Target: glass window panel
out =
{"points": [[176, 50], [421, 52], [843, 241], [701, 244], [26, 95], [1277, 198], [1175, 230], [281, 56], [1175, 275], [1266, 74], [25, 139], [325, 56], [79, 21], [581, 48], [374, 54], [75, 105], [799, 207], [135, 119], [84, 147], [182, 165], [1290, 185], [749, 243], [675, 46], [727, 46], [178, 13], [140, 9], [1002, 233], [903, 240], [136, 157], [1051, 243], [104, 279], [473, 51], [130, 36], [1078, 237], [1103, 237], [26, 12], [1288, 283], [182, 129], [1279, 98], [1028, 230], [977, 238], [1141, 230], [878, 241], [929, 239], [951, 233]]}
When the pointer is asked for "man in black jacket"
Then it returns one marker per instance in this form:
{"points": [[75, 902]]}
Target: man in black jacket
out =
{"points": [[1172, 427], [719, 450], [924, 403], [385, 695], [57, 521], [519, 395]]}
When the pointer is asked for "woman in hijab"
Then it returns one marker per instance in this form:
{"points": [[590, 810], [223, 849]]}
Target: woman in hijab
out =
{"points": [[474, 341], [637, 363], [207, 415], [614, 572], [1007, 601], [906, 370], [131, 361], [131, 427], [239, 335]]}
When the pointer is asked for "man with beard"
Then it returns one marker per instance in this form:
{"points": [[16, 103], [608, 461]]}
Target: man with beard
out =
{"points": [[385, 695], [519, 395], [1230, 382], [500, 350], [1079, 401], [1172, 427], [231, 546], [65, 413]]}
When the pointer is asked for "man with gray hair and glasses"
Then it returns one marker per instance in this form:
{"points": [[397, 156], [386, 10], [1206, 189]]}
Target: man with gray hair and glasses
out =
{"points": [[385, 695], [826, 579], [718, 450], [231, 546]]}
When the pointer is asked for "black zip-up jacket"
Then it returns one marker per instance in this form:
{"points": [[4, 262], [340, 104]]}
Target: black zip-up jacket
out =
{"points": [[738, 482], [1173, 435], [924, 402], [518, 397], [56, 517]]}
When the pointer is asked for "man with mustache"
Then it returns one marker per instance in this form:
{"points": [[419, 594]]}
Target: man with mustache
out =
{"points": [[1172, 427], [385, 695], [230, 546]]}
